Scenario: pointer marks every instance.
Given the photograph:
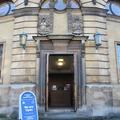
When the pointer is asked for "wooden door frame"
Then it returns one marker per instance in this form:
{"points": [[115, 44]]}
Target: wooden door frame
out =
{"points": [[75, 77], [47, 82]]}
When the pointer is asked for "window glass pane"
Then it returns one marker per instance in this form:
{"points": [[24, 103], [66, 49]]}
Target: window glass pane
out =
{"points": [[118, 59], [6, 8], [60, 4], [108, 8], [113, 7], [116, 8], [1, 54], [74, 4], [45, 4]]}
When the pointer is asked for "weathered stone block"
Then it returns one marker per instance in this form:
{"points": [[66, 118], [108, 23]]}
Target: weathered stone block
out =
{"points": [[97, 64], [24, 57], [4, 96], [28, 50], [96, 57], [23, 64], [15, 92], [23, 79], [98, 94], [97, 79], [97, 71], [96, 51], [23, 72]]}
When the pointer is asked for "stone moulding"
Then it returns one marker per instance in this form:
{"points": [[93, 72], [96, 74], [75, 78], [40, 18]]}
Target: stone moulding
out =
{"points": [[29, 11], [60, 38], [94, 11]]}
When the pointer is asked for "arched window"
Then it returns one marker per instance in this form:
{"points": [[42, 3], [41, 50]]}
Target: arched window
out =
{"points": [[60, 4], [113, 7], [6, 8]]}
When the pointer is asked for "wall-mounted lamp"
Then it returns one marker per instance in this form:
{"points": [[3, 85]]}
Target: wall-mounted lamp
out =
{"points": [[25, 2], [94, 2], [23, 40], [98, 39]]}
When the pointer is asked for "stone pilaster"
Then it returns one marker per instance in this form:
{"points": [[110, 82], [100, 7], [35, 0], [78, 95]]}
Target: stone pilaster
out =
{"points": [[23, 64], [98, 83]]}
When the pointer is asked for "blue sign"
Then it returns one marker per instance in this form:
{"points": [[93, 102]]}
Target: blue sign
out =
{"points": [[28, 106]]}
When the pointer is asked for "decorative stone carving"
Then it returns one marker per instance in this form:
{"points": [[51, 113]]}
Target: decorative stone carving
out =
{"points": [[68, 3], [52, 3], [45, 24], [75, 24], [76, 28], [94, 2], [44, 27], [69, 17]]}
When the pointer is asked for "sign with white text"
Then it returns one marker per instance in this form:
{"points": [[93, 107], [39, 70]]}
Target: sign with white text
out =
{"points": [[28, 106]]}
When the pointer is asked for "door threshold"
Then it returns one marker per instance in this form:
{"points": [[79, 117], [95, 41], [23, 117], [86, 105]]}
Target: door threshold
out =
{"points": [[61, 110]]}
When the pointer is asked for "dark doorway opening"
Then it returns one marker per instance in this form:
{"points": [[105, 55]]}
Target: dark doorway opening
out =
{"points": [[61, 81]]}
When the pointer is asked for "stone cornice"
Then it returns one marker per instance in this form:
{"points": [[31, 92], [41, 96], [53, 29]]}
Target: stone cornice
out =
{"points": [[27, 11], [60, 42], [113, 18], [94, 11], [61, 37]]}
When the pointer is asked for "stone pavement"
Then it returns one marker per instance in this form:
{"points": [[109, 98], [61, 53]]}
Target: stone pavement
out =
{"points": [[64, 118], [73, 116]]}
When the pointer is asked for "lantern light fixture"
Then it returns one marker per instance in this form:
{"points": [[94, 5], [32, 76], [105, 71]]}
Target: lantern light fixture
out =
{"points": [[23, 40], [26, 2], [98, 39], [94, 2]]}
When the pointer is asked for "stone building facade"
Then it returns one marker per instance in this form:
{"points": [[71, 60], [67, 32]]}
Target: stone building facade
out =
{"points": [[62, 62]]}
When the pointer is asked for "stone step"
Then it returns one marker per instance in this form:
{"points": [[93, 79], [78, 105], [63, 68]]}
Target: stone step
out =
{"points": [[59, 116], [71, 116]]}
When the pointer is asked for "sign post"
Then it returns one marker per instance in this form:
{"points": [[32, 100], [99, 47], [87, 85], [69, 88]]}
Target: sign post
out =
{"points": [[28, 106]]}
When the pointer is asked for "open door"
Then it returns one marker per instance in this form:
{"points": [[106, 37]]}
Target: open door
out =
{"points": [[60, 84]]}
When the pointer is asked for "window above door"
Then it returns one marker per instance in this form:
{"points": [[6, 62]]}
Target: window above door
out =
{"points": [[6, 8], [60, 4], [113, 7]]}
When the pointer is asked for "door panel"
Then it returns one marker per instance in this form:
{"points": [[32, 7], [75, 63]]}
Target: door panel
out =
{"points": [[61, 90]]}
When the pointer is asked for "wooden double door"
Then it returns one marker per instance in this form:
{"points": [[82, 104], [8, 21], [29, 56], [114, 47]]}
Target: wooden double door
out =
{"points": [[61, 90]]}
